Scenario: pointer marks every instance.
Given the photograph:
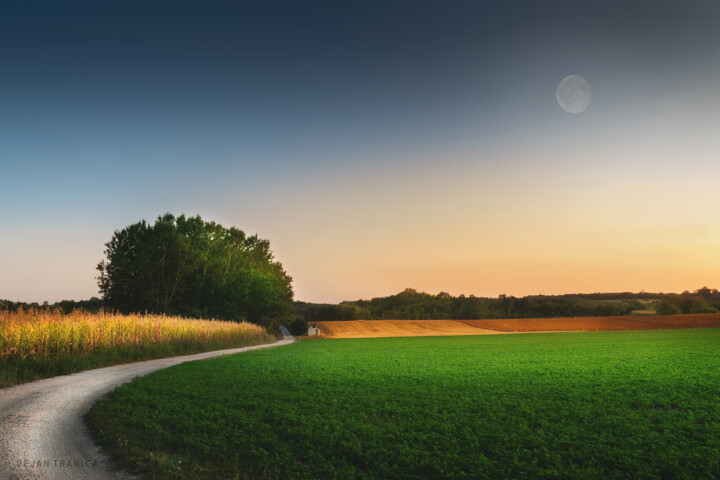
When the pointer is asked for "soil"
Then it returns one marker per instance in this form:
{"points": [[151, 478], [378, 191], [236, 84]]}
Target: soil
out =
{"points": [[422, 328]]}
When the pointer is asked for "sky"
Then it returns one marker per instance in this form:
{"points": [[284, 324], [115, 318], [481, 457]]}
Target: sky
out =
{"points": [[378, 145]]}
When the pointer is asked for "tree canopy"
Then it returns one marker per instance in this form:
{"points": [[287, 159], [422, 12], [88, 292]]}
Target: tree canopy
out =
{"points": [[187, 266]]}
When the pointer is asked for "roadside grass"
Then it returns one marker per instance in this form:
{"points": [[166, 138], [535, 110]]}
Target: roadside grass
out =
{"points": [[616, 405], [37, 344]]}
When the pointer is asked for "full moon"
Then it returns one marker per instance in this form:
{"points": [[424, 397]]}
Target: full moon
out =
{"points": [[574, 94]]}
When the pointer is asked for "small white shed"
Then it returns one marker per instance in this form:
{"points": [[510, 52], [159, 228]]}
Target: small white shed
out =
{"points": [[313, 330]]}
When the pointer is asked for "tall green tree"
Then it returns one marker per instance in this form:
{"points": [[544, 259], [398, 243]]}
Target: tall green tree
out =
{"points": [[187, 266]]}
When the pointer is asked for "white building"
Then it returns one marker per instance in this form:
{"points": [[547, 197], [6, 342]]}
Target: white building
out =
{"points": [[313, 330]]}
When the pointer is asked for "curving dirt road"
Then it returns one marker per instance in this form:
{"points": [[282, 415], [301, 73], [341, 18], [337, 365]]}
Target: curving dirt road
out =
{"points": [[42, 432]]}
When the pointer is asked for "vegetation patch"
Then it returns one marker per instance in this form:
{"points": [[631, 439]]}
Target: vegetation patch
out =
{"points": [[40, 343], [640, 404], [187, 266]]}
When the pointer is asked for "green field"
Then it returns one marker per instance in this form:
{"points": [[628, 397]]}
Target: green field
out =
{"points": [[640, 405]]}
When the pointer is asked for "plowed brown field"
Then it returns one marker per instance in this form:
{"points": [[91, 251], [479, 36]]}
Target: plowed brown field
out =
{"points": [[649, 322], [424, 328], [397, 328]]}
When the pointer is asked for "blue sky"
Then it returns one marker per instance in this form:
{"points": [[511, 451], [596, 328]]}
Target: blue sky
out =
{"points": [[377, 145]]}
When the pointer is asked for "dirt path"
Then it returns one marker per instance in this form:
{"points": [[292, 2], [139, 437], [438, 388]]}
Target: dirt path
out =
{"points": [[43, 432]]}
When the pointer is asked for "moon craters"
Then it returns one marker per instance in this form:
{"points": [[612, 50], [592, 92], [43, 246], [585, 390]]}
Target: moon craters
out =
{"points": [[574, 94]]}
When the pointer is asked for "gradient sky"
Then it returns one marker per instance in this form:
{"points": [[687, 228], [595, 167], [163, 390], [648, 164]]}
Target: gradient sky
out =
{"points": [[377, 145]]}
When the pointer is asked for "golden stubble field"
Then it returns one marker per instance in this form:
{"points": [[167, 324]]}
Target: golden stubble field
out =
{"points": [[423, 328], [397, 328]]}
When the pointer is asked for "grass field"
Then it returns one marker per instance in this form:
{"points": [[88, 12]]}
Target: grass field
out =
{"points": [[618, 405], [40, 343], [420, 328]]}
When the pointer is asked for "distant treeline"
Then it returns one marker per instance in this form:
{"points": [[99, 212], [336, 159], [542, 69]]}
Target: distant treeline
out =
{"points": [[413, 305], [65, 306]]}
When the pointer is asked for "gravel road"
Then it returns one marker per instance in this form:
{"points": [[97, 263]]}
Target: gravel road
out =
{"points": [[42, 432]]}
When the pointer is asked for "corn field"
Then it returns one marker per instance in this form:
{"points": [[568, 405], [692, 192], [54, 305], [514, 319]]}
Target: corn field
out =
{"points": [[37, 337]]}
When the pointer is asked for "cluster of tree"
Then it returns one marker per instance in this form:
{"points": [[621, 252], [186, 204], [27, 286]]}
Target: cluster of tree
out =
{"points": [[324, 312], [412, 305], [710, 295], [66, 306], [643, 295], [565, 306], [703, 300], [186, 266], [306, 313]]}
